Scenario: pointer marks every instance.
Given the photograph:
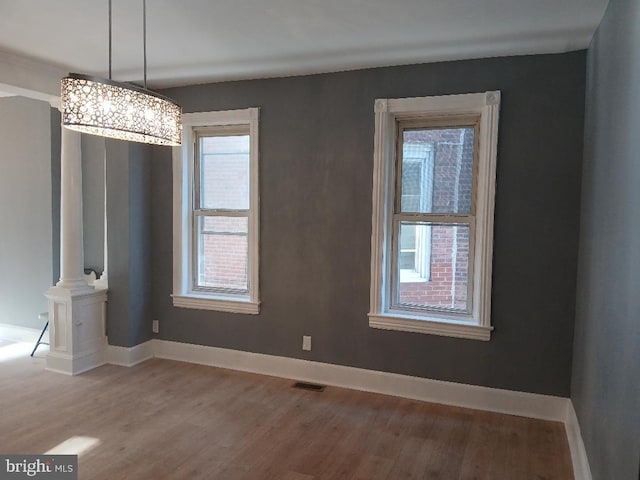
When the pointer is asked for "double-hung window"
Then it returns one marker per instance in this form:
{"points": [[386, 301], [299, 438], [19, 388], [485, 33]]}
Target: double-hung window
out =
{"points": [[433, 196], [216, 212]]}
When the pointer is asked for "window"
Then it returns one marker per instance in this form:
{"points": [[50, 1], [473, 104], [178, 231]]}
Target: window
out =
{"points": [[216, 212], [433, 201]]}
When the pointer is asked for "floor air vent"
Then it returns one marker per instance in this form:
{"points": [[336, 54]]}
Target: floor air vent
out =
{"points": [[309, 386]]}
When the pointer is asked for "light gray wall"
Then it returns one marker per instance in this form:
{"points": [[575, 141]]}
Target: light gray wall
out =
{"points": [[55, 191], [606, 368], [128, 230], [316, 158], [25, 210]]}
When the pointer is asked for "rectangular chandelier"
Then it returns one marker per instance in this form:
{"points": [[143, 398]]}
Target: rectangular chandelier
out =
{"points": [[119, 110]]}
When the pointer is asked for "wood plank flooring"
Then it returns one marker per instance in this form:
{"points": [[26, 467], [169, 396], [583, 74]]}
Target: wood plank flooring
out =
{"points": [[170, 420]]}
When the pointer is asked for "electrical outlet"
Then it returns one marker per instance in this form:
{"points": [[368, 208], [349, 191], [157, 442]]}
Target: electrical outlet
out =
{"points": [[306, 342], [156, 326]]}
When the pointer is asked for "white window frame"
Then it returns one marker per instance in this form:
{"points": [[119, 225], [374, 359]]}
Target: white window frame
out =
{"points": [[477, 323], [184, 295]]}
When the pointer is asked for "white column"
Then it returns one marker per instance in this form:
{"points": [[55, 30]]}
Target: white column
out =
{"points": [[77, 311], [71, 239]]}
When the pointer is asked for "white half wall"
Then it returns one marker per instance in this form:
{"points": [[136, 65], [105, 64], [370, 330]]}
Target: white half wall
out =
{"points": [[25, 210]]}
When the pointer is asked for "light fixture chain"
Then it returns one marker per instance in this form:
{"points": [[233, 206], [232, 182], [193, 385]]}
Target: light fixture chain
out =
{"points": [[144, 39], [109, 39]]}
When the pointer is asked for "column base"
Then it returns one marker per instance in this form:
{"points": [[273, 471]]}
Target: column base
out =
{"points": [[77, 338], [77, 287], [75, 365]]}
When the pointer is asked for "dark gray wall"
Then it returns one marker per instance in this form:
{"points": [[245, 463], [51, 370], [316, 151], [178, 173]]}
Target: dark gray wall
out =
{"points": [[129, 244], [93, 201], [316, 157], [140, 242], [606, 368]]}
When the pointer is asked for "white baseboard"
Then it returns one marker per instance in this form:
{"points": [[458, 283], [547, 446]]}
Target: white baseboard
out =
{"points": [[524, 404], [470, 396], [581, 469], [128, 357], [16, 333]]}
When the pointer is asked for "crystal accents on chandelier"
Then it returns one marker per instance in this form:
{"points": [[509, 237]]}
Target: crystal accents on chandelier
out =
{"points": [[118, 110]]}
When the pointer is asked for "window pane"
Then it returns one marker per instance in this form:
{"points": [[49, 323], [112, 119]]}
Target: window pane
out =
{"points": [[437, 170], [222, 253], [224, 172], [433, 266]]}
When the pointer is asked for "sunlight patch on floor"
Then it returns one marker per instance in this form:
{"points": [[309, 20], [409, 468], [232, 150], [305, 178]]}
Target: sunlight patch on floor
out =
{"points": [[15, 350], [74, 446]]}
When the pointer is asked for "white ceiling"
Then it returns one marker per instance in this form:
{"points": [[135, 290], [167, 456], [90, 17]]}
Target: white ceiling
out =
{"points": [[196, 41]]}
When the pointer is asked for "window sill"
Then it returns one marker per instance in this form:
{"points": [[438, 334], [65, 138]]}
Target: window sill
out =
{"points": [[205, 302], [434, 327]]}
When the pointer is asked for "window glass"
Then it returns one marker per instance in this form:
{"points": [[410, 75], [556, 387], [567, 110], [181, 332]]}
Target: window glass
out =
{"points": [[437, 170], [224, 172], [434, 272], [222, 253]]}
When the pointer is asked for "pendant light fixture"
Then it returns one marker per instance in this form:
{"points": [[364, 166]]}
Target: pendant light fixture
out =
{"points": [[120, 110]]}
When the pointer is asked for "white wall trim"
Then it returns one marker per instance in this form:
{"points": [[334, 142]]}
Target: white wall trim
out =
{"points": [[581, 469], [405, 323], [16, 333], [211, 303], [30, 78], [128, 357], [483, 398]]}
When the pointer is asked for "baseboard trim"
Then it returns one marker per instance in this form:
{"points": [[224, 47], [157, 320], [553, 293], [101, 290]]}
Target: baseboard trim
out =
{"points": [[16, 333], [581, 469], [128, 357], [470, 396]]}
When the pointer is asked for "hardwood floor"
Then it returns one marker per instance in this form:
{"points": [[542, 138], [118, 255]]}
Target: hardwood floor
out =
{"points": [[172, 420]]}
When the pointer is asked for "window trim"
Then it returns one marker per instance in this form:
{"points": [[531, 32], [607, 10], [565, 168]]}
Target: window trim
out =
{"points": [[388, 112], [184, 294]]}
